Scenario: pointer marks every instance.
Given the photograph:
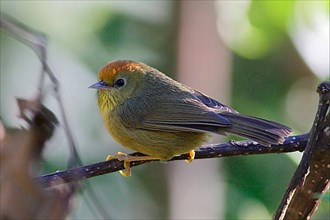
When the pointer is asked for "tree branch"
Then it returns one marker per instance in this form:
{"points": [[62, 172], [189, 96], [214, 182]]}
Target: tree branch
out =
{"points": [[311, 179], [293, 143]]}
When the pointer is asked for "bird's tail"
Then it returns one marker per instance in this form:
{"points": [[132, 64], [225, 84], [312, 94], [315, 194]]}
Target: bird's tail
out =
{"points": [[263, 131]]}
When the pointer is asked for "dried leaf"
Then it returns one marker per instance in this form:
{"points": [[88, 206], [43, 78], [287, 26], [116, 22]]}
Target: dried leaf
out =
{"points": [[28, 108], [20, 196]]}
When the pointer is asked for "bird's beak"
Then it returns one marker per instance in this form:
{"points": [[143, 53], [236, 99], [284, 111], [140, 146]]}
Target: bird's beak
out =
{"points": [[100, 85]]}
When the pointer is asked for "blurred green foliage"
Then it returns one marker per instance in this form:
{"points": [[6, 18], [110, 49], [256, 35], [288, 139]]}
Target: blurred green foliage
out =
{"points": [[134, 38], [261, 178], [265, 28], [271, 18]]}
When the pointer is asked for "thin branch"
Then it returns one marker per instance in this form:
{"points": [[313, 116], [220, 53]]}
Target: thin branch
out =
{"points": [[291, 144], [311, 179], [29, 37]]}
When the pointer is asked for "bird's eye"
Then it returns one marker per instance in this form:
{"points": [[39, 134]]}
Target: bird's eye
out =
{"points": [[120, 82]]}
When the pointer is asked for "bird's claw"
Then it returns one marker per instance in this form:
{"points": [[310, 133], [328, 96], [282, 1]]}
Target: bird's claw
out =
{"points": [[191, 156], [126, 159]]}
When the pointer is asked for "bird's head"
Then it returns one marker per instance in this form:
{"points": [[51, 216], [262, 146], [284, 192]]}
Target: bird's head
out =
{"points": [[119, 81]]}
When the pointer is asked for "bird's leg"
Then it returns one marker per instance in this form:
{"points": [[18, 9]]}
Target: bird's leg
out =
{"points": [[191, 156], [127, 159], [121, 156]]}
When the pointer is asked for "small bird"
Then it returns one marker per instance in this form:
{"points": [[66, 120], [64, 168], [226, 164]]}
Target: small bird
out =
{"points": [[147, 111]]}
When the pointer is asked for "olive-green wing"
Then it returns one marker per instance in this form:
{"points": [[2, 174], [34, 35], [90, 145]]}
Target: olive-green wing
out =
{"points": [[172, 116]]}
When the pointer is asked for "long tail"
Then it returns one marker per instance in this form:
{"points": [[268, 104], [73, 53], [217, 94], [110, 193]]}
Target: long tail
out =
{"points": [[263, 131]]}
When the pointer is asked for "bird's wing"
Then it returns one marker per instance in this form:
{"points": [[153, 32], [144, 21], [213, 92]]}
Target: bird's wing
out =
{"points": [[212, 103], [172, 116]]}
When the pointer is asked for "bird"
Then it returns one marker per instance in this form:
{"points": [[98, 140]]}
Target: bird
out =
{"points": [[146, 111]]}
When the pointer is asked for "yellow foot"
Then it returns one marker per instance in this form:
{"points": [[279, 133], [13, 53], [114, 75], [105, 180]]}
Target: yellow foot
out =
{"points": [[127, 159], [191, 156]]}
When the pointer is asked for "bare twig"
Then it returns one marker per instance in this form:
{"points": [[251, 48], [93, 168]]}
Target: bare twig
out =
{"points": [[35, 40], [311, 179], [293, 143]]}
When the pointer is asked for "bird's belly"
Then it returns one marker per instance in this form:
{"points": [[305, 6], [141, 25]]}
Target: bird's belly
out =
{"points": [[162, 145]]}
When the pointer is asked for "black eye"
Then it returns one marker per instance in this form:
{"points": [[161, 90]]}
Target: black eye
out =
{"points": [[120, 82]]}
